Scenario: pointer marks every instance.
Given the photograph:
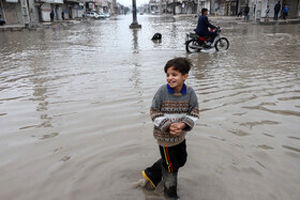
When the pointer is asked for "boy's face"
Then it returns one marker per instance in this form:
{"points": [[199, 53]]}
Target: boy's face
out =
{"points": [[175, 79]]}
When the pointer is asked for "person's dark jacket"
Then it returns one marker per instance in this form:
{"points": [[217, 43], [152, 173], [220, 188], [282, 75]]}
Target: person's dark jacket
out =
{"points": [[202, 26], [246, 11], [277, 7]]}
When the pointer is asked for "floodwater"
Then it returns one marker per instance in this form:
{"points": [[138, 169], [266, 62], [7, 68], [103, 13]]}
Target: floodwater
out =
{"points": [[74, 111]]}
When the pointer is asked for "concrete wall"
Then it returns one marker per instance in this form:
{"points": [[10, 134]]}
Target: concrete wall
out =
{"points": [[12, 12], [33, 12]]}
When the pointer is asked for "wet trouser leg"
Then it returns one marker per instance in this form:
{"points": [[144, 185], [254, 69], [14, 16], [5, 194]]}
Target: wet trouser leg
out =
{"points": [[155, 172], [170, 183], [284, 15], [212, 36], [276, 16], [166, 168], [172, 159]]}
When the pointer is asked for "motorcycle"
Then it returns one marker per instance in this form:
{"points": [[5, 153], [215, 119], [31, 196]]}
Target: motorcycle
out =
{"points": [[195, 43]]}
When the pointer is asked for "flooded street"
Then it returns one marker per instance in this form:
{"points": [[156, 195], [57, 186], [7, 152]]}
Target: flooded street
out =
{"points": [[75, 122]]}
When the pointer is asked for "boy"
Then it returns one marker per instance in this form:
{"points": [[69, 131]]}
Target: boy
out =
{"points": [[174, 111]]}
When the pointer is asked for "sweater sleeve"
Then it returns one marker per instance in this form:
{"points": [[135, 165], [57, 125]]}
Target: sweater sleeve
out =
{"points": [[160, 121], [193, 113]]}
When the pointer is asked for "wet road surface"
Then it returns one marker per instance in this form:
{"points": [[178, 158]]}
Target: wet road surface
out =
{"points": [[74, 111]]}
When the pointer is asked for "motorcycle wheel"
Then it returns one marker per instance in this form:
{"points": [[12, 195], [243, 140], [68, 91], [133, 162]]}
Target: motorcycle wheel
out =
{"points": [[192, 46], [222, 44]]}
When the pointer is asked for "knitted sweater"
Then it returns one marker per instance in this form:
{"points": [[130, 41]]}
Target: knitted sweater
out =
{"points": [[169, 107]]}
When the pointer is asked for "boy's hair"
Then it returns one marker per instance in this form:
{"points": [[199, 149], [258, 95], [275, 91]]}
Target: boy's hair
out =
{"points": [[183, 65], [204, 10]]}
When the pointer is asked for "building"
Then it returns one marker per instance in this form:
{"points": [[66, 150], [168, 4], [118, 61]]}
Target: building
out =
{"points": [[144, 8], [294, 8], [189, 7], [45, 7], [233, 7], [154, 6], [14, 12], [72, 9]]}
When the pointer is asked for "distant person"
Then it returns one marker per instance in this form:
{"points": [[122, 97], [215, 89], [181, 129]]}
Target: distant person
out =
{"points": [[2, 22], [246, 13], [203, 25], [240, 14], [277, 10], [267, 13], [63, 15], [52, 15], [174, 112], [285, 11], [254, 8], [216, 11]]}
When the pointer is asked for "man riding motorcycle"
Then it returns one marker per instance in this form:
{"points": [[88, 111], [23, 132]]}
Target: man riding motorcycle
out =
{"points": [[203, 25]]}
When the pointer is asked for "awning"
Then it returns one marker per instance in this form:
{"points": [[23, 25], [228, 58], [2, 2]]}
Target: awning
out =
{"points": [[12, 1], [73, 1], [51, 1]]}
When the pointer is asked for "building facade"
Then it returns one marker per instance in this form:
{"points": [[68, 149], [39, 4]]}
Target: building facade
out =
{"points": [[32, 12], [14, 12], [221, 7], [294, 7]]}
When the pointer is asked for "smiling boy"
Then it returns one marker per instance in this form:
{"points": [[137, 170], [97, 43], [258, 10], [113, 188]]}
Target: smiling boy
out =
{"points": [[174, 111]]}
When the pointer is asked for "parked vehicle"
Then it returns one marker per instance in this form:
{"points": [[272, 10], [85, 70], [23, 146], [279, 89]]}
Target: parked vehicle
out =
{"points": [[107, 15], [103, 15], [93, 15], [194, 42]]}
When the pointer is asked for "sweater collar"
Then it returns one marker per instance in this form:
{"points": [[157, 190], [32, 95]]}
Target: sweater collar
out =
{"points": [[171, 91]]}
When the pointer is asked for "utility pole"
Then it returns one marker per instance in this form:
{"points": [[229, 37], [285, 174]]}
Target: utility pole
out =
{"points": [[160, 7], [255, 4], [174, 7], [113, 5], [134, 23], [198, 8], [237, 7]]}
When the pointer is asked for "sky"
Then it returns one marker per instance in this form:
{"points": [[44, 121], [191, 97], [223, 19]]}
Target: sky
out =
{"points": [[129, 2]]}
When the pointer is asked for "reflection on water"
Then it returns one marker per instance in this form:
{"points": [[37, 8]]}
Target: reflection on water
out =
{"points": [[74, 111], [135, 40]]}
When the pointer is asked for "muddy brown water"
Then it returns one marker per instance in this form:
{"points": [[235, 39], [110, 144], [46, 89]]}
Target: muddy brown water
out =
{"points": [[74, 111]]}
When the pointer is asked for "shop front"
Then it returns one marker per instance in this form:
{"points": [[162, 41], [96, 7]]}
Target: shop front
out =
{"points": [[72, 9], [230, 7], [11, 12], [50, 10], [294, 8]]}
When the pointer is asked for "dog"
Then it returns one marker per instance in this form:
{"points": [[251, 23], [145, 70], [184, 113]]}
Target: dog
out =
{"points": [[157, 36]]}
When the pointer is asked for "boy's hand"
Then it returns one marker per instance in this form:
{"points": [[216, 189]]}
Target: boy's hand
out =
{"points": [[176, 128]]}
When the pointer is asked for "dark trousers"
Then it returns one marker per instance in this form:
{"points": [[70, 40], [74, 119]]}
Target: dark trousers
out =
{"points": [[284, 15], [172, 158], [212, 36], [276, 15]]}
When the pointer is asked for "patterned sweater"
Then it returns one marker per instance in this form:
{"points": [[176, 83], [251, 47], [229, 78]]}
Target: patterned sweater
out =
{"points": [[169, 107]]}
